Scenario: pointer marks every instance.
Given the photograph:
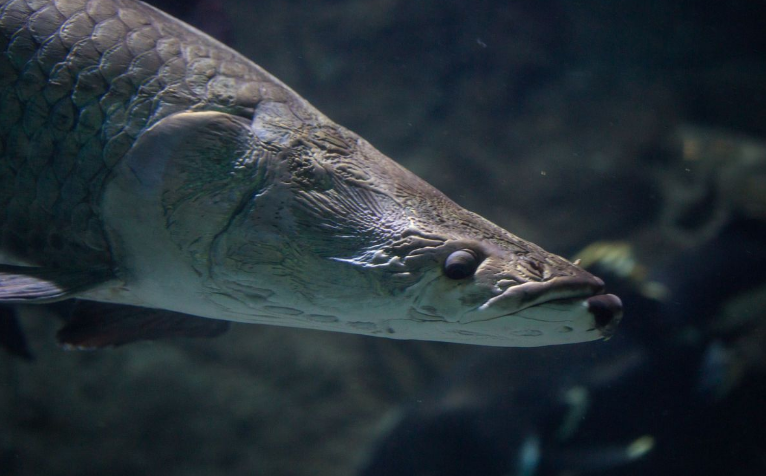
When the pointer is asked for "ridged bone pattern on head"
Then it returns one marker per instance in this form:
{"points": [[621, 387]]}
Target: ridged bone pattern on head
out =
{"points": [[511, 274], [355, 190]]}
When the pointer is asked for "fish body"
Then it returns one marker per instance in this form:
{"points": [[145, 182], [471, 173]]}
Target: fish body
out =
{"points": [[146, 164]]}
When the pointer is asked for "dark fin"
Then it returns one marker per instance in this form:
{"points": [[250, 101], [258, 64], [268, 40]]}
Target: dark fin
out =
{"points": [[94, 325], [11, 335], [24, 284]]}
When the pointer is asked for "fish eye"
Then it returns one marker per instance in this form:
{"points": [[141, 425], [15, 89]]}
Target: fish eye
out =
{"points": [[461, 264]]}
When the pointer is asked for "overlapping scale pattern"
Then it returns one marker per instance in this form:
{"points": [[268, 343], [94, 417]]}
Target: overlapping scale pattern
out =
{"points": [[79, 81]]}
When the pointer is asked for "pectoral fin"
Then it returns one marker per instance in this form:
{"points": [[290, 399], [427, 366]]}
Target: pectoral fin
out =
{"points": [[31, 285], [94, 325]]}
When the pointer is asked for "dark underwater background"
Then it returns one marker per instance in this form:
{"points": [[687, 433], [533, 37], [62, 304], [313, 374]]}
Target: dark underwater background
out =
{"points": [[631, 134]]}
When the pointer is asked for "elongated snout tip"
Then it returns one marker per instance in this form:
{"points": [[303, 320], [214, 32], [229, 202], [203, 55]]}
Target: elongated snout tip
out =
{"points": [[607, 312]]}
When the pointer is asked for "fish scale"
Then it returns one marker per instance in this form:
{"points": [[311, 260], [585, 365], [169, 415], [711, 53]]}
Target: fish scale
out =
{"points": [[81, 79]]}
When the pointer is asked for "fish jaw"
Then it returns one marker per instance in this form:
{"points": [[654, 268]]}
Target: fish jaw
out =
{"points": [[537, 326], [559, 321], [572, 308], [564, 310]]}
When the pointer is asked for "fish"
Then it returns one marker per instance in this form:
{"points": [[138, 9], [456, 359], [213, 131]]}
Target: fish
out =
{"points": [[169, 185]]}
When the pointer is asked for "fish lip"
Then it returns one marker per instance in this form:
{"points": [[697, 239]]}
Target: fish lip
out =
{"points": [[587, 291], [556, 289], [560, 301]]}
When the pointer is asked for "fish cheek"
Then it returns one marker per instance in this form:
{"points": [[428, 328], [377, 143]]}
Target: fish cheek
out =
{"points": [[255, 238], [265, 252], [450, 299]]}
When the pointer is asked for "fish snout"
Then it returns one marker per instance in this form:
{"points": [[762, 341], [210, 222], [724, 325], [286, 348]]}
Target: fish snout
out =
{"points": [[606, 310], [530, 294], [565, 287]]}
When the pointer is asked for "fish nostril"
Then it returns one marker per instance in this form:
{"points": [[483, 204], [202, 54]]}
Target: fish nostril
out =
{"points": [[606, 310]]}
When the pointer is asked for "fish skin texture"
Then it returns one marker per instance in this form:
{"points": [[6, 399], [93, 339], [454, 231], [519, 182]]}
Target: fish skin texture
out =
{"points": [[79, 81]]}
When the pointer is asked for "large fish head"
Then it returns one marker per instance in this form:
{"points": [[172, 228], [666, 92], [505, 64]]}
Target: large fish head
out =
{"points": [[496, 289], [467, 280], [277, 222], [354, 241]]}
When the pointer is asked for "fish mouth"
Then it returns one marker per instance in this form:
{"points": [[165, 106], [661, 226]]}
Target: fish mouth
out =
{"points": [[558, 294], [607, 313]]}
